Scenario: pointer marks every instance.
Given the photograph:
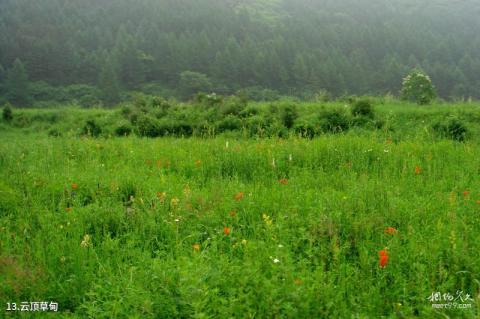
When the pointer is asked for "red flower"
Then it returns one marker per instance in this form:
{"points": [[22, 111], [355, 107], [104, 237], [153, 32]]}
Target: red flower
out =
{"points": [[418, 170], [391, 231], [74, 186], [383, 255], [226, 230], [238, 196], [466, 193], [283, 181]]}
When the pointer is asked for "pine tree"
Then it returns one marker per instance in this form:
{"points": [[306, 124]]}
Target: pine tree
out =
{"points": [[17, 85], [108, 83]]}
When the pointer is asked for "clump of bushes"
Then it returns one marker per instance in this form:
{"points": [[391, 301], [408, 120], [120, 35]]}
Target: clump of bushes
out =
{"points": [[334, 121], [453, 128], [288, 115], [91, 128], [363, 108]]}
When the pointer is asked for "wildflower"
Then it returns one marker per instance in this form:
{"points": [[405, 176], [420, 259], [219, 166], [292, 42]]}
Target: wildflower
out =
{"points": [[298, 282], [186, 190], [196, 247], [239, 196], [226, 230], [267, 219], [74, 186], [466, 193], [161, 196], [391, 231], [68, 209], [283, 181], [233, 213], [174, 201], [244, 242], [86, 242], [276, 261], [418, 170], [198, 163], [383, 255]]}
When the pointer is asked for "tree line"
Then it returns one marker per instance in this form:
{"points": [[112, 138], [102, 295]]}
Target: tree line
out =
{"points": [[97, 51]]}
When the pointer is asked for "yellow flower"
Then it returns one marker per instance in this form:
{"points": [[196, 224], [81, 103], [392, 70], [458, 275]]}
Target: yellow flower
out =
{"points": [[86, 242], [174, 201]]}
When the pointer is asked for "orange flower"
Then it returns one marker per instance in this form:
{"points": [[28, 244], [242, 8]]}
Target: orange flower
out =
{"points": [[418, 170], [74, 186], [283, 181], [466, 193], [226, 230], [239, 196], [196, 247], [298, 282], [233, 213], [391, 231], [68, 209], [383, 255]]}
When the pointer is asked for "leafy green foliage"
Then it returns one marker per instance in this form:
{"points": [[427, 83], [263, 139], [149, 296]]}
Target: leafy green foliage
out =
{"points": [[7, 113], [418, 87], [363, 108], [91, 128], [452, 128]]}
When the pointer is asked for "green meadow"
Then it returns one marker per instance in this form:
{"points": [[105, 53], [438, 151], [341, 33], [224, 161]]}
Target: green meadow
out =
{"points": [[300, 216]]}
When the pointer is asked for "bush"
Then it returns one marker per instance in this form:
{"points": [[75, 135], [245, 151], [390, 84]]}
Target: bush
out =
{"points": [[233, 105], [363, 108], [305, 129], [289, 115], [124, 129], [7, 113], [91, 128], [334, 121], [148, 126], [417, 87], [453, 129], [229, 123]]}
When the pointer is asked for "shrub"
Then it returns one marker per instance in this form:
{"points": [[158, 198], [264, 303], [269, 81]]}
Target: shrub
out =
{"points": [[334, 121], [418, 87], [363, 108], [229, 123], [7, 113], [289, 115], [249, 111], [148, 126], [91, 128], [453, 128], [305, 129], [233, 105], [124, 129]]}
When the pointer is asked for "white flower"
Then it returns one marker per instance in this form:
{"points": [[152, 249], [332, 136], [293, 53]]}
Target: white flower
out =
{"points": [[276, 261]]}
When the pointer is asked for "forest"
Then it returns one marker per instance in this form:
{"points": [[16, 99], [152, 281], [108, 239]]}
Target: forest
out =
{"points": [[99, 52]]}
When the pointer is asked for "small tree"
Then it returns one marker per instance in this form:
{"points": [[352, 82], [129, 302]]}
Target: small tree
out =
{"points": [[418, 87], [193, 82], [7, 113], [17, 85]]}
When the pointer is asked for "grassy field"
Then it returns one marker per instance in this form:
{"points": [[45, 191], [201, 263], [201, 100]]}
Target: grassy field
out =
{"points": [[363, 224]]}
